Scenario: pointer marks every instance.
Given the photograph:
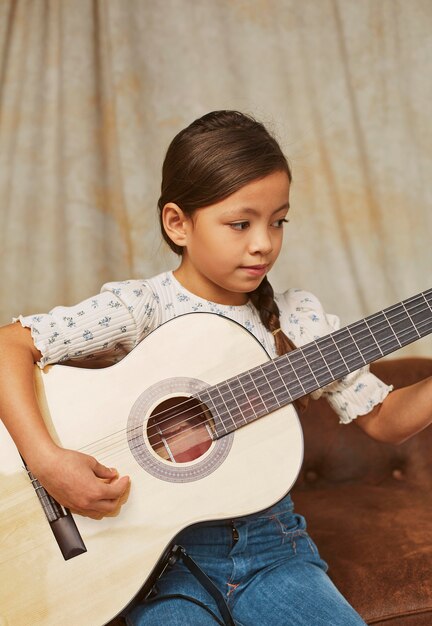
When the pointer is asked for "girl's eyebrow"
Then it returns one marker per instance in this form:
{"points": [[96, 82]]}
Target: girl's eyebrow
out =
{"points": [[284, 207], [249, 210]]}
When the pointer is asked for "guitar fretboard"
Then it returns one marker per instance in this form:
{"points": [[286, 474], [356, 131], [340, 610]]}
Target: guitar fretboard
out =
{"points": [[263, 389]]}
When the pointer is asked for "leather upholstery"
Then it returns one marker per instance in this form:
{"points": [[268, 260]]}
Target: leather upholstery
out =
{"points": [[369, 508]]}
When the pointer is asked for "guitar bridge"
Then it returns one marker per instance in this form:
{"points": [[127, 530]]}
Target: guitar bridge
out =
{"points": [[60, 520]]}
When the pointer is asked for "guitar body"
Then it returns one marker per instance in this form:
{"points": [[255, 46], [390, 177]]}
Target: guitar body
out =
{"points": [[108, 413]]}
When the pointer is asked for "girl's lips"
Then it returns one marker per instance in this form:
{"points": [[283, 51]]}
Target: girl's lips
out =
{"points": [[255, 270]]}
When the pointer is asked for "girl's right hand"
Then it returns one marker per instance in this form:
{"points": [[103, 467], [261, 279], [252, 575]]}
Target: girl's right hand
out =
{"points": [[77, 481], [80, 483]]}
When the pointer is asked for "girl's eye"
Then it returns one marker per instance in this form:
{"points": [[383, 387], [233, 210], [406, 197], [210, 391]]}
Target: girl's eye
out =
{"points": [[239, 225], [280, 223]]}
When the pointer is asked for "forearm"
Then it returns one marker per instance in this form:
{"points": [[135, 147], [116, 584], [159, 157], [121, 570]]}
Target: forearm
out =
{"points": [[76, 480], [18, 405], [403, 413]]}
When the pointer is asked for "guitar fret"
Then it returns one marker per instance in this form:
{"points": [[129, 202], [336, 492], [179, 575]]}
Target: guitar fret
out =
{"points": [[357, 330], [392, 344], [221, 408], [399, 318], [205, 398], [411, 320], [334, 358], [302, 371], [283, 392], [291, 379], [231, 404], [284, 379], [363, 341], [317, 364], [382, 331], [348, 349], [420, 315], [272, 403], [243, 402], [253, 395], [267, 394], [427, 324]]}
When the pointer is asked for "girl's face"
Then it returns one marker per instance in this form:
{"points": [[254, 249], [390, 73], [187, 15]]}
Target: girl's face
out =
{"points": [[230, 246]]}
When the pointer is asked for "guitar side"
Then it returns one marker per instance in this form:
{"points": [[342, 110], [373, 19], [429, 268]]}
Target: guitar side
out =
{"points": [[90, 410]]}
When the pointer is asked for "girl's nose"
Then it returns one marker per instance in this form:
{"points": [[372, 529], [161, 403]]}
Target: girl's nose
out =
{"points": [[261, 242]]}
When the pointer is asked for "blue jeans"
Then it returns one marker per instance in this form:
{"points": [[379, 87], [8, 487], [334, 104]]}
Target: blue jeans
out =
{"points": [[272, 575]]}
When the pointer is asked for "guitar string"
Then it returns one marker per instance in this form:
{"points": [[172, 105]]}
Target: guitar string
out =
{"points": [[183, 435], [299, 356], [334, 351], [420, 326], [216, 408], [185, 432], [312, 375]]}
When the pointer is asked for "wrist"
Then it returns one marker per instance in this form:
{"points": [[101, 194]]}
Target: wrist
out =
{"points": [[41, 456]]}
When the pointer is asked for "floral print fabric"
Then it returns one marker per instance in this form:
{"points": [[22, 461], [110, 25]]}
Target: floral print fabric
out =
{"points": [[110, 324]]}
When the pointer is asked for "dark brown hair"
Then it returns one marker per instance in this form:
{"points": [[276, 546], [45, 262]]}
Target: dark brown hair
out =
{"points": [[208, 161]]}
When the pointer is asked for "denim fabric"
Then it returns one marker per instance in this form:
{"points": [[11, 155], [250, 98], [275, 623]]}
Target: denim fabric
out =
{"points": [[271, 576]]}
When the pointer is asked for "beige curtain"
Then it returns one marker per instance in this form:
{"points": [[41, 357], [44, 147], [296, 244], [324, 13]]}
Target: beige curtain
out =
{"points": [[93, 91]]}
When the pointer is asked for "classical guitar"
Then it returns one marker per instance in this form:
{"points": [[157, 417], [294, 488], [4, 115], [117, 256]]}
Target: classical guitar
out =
{"points": [[202, 421]]}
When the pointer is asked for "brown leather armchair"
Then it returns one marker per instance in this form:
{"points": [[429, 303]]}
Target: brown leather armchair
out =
{"points": [[369, 508]]}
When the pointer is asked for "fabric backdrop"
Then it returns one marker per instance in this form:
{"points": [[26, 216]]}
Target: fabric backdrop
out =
{"points": [[93, 91]]}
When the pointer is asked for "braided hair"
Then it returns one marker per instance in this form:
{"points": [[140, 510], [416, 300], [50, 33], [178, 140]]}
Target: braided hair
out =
{"points": [[263, 300]]}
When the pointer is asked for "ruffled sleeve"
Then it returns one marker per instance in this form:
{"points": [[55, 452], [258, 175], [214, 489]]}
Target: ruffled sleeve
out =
{"points": [[303, 319], [108, 325]]}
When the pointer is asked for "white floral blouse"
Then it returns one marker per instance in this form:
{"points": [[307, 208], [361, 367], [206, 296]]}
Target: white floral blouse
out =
{"points": [[112, 323]]}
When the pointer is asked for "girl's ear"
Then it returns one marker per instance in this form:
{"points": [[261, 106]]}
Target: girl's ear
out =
{"points": [[175, 223]]}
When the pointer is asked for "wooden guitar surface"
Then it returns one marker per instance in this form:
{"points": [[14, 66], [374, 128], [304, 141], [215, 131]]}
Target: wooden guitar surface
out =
{"points": [[106, 413]]}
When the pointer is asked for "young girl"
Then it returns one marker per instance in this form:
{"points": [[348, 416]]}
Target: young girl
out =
{"points": [[223, 206]]}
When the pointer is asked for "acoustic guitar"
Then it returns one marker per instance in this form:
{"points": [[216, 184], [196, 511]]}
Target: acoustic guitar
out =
{"points": [[202, 421]]}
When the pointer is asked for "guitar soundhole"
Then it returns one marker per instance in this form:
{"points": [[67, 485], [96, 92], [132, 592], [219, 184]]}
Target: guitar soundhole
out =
{"points": [[180, 429]]}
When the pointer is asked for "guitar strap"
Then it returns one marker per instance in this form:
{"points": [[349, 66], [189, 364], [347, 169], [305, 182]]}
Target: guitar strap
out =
{"points": [[178, 552]]}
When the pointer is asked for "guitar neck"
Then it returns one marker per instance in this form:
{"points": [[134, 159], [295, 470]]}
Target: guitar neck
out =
{"points": [[278, 382]]}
